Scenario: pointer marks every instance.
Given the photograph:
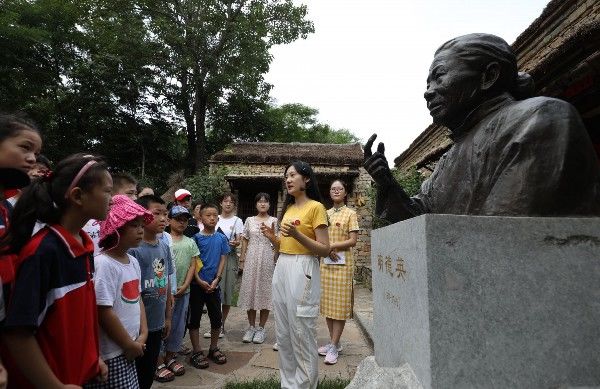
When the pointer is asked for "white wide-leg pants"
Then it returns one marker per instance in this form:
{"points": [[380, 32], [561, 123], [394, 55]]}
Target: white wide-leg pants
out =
{"points": [[296, 298]]}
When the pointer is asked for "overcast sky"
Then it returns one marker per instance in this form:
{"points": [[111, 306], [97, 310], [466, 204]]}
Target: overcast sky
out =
{"points": [[365, 66]]}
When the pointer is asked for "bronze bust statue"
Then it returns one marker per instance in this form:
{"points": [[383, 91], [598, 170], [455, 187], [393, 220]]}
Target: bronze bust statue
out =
{"points": [[512, 155]]}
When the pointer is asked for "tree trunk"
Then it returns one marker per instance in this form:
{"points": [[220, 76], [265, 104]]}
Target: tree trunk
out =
{"points": [[143, 162], [201, 146], [192, 152]]}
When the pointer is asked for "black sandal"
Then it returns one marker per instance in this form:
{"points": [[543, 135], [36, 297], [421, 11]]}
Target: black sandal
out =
{"points": [[217, 356], [199, 361]]}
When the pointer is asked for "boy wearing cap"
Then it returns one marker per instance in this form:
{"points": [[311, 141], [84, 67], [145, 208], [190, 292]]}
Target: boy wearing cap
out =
{"points": [[186, 254], [183, 198]]}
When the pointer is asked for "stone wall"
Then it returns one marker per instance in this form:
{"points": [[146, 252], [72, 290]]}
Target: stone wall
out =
{"points": [[359, 200]]}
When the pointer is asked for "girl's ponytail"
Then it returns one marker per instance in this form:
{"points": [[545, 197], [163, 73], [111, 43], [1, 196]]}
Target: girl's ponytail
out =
{"points": [[44, 200]]}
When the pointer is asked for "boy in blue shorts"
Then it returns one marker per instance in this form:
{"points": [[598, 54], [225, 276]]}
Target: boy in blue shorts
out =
{"points": [[214, 248], [186, 255]]}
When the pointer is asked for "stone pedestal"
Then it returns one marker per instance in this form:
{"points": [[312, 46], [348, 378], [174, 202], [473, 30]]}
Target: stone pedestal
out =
{"points": [[489, 302]]}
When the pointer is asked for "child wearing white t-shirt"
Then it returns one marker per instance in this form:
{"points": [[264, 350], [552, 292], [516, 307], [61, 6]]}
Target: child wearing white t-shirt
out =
{"points": [[232, 227], [123, 329]]}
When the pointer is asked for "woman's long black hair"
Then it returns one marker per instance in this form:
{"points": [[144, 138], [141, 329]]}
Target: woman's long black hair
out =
{"points": [[44, 199], [312, 188]]}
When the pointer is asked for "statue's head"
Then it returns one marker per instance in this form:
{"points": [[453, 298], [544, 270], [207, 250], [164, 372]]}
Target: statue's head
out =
{"points": [[468, 70]]}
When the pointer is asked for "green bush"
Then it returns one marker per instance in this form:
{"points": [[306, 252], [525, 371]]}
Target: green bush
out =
{"points": [[208, 188], [409, 181]]}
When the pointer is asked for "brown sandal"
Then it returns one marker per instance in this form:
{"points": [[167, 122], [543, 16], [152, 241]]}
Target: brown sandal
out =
{"points": [[217, 356], [199, 361], [162, 374], [177, 368]]}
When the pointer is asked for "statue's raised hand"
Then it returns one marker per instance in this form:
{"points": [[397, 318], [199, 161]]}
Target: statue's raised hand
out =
{"points": [[376, 164]]}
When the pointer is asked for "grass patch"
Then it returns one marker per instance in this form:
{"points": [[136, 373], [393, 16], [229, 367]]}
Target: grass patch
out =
{"points": [[273, 383]]}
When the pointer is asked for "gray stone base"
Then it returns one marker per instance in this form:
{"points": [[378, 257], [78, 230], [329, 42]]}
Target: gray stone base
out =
{"points": [[489, 302], [370, 376]]}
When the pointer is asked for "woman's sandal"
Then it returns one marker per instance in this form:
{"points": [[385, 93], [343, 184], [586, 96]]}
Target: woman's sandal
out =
{"points": [[163, 374], [177, 368], [217, 356], [199, 361]]}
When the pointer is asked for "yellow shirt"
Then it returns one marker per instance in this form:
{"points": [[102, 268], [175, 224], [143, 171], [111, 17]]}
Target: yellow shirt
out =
{"points": [[310, 216]]}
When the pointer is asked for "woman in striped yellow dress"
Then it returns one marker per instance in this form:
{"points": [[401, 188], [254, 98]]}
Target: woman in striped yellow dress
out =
{"points": [[337, 270]]}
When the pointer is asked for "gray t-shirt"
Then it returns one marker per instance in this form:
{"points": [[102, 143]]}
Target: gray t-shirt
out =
{"points": [[156, 266]]}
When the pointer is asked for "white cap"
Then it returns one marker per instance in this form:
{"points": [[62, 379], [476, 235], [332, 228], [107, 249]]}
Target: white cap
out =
{"points": [[181, 194]]}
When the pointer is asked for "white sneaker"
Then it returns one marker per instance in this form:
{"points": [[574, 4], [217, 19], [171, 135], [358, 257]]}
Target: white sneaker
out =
{"points": [[324, 349], [332, 356], [249, 335], [207, 335], [275, 347], [259, 336]]}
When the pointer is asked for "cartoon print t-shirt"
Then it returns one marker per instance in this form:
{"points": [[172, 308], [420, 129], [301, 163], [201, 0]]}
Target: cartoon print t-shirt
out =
{"points": [[156, 266], [118, 286]]}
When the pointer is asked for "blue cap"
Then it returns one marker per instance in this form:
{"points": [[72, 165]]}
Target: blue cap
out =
{"points": [[178, 210]]}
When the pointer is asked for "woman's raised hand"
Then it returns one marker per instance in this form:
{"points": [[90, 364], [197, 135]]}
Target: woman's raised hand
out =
{"points": [[268, 232]]}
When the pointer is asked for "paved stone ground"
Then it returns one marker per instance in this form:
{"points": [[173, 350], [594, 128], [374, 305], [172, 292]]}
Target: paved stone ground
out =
{"points": [[246, 362]]}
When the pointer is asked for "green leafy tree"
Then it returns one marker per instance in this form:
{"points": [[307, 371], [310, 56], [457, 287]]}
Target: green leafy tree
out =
{"points": [[254, 120], [81, 70], [212, 50], [298, 123]]}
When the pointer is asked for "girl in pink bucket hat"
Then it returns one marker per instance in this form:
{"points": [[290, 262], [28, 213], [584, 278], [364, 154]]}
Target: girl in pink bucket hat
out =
{"points": [[117, 281]]}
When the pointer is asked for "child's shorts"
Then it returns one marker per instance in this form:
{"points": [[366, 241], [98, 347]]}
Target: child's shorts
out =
{"points": [[213, 305], [121, 374], [227, 284], [178, 321]]}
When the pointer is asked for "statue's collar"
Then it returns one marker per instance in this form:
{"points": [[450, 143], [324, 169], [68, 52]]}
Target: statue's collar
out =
{"points": [[478, 113]]}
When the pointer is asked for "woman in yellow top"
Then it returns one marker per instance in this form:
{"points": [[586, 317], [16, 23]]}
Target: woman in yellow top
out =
{"points": [[337, 270], [297, 281]]}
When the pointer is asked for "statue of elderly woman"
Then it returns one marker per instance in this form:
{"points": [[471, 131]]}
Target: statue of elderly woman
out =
{"points": [[512, 155]]}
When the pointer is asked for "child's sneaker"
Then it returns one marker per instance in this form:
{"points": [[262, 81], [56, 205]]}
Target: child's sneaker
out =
{"points": [[207, 334], [259, 336], [249, 335], [275, 347], [332, 356], [323, 350]]}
